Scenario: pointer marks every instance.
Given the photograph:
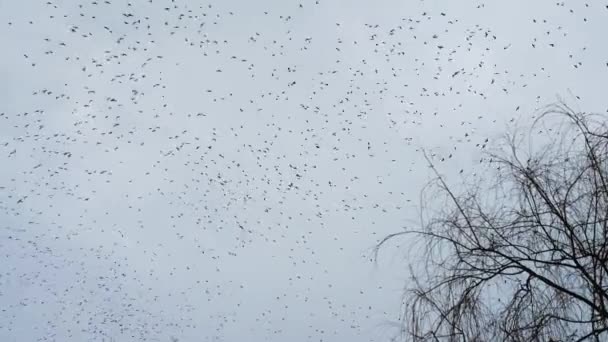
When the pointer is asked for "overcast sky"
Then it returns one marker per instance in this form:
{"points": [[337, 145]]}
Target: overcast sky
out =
{"points": [[221, 170]]}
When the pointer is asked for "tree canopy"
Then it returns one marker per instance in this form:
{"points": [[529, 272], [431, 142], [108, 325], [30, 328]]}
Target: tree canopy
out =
{"points": [[522, 255]]}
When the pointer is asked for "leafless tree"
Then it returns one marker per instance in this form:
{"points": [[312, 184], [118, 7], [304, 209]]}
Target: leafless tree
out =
{"points": [[523, 256]]}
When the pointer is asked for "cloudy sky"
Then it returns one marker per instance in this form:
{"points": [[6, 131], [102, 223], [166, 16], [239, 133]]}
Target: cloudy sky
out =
{"points": [[221, 170]]}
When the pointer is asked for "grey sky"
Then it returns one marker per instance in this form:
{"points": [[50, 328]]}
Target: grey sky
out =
{"points": [[219, 171]]}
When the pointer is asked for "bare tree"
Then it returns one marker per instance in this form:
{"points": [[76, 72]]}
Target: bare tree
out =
{"points": [[525, 256]]}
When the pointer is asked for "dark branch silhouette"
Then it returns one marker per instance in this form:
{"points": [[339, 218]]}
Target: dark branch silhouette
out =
{"points": [[524, 256]]}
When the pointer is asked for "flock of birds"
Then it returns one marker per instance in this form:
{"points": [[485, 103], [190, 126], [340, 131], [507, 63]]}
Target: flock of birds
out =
{"points": [[177, 170]]}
